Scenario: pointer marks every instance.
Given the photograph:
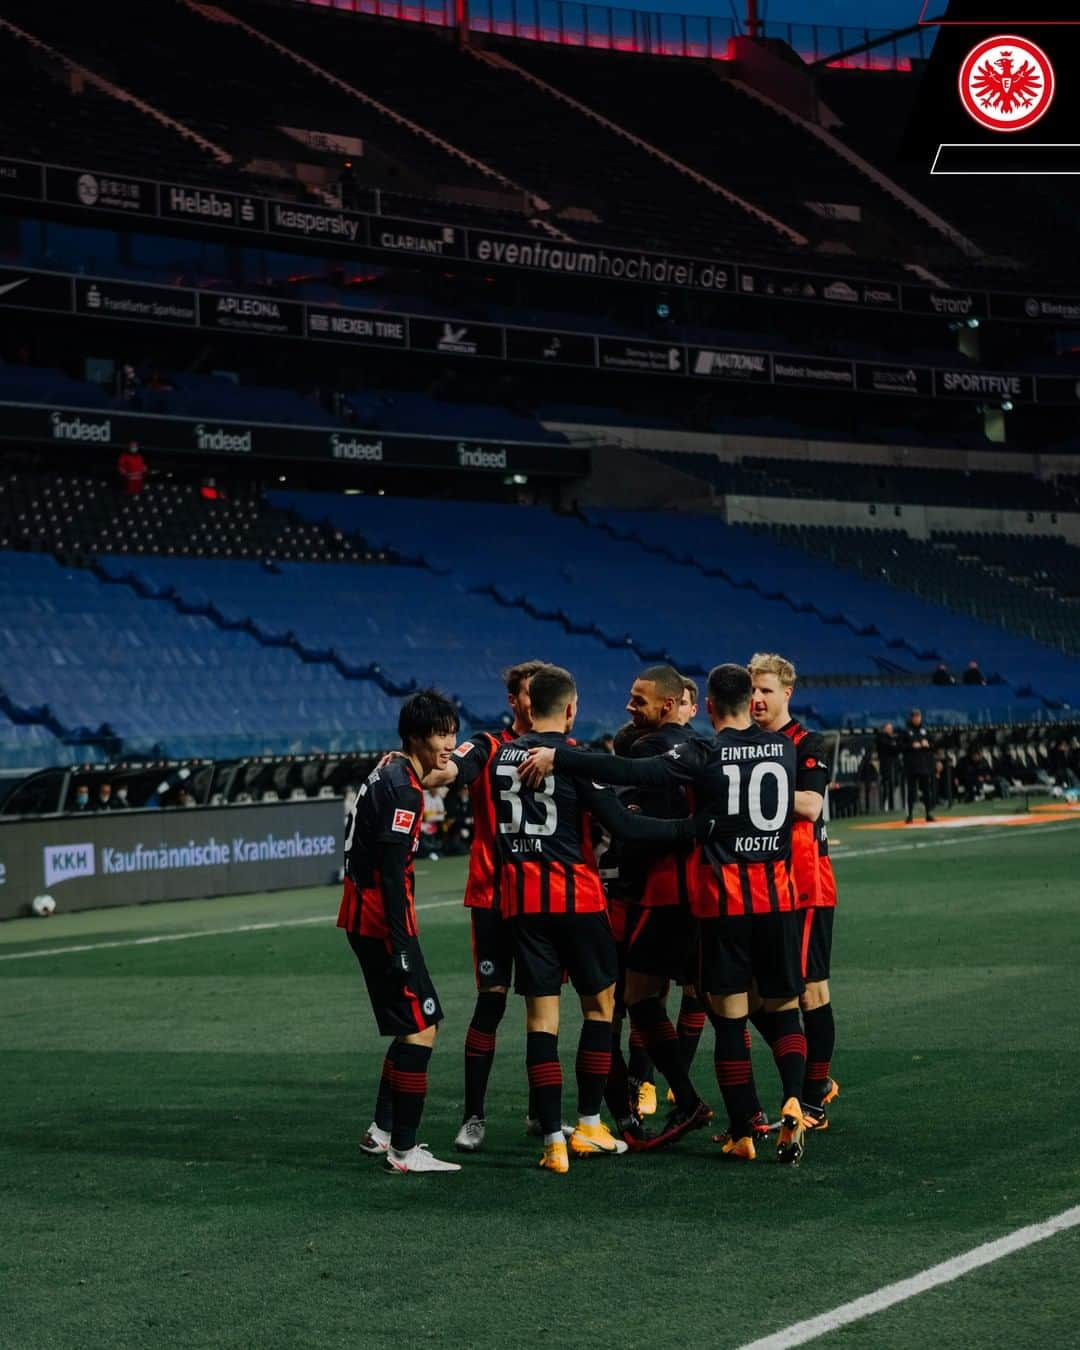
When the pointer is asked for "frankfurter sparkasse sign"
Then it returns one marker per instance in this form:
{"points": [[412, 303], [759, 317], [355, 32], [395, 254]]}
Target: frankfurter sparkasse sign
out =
{"points": [[268, 316]]}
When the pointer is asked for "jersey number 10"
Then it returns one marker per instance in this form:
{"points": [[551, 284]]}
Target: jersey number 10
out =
{"points": [[757, 776]]}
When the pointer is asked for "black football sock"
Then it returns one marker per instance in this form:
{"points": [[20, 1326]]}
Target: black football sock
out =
{"points": [[617, 1087], [735, 1073], [640, 1065], [765, 1024], [410, 1092], [820, 1043], [789, 1051], [480, 1049], [650, 1018], [545, 1079], [384, 1102], [593, 1065], [691, 1025]]}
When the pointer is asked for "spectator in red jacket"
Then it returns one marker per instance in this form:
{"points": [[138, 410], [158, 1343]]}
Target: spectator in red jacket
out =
{"points": [[132, 469]]}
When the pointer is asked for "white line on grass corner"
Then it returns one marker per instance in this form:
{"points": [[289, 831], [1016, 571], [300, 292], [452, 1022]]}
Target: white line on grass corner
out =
{"points": [[968, 837], [155, 938], [891, 1294]]}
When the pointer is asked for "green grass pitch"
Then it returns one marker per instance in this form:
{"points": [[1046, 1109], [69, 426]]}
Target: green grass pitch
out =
{"points": [[178, 1124]]}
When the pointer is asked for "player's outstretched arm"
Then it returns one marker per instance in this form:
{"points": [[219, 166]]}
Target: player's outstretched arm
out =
{"points": [[597, 766], [437, 778], [631, 825]]}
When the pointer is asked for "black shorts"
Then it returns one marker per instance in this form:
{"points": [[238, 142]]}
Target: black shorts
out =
{"points": [[622, 914], [493, 949], [662, 941], [402, 1007], [815, 929], [545, 945], [751, 947]]}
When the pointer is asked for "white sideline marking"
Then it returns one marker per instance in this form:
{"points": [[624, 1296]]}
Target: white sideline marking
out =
{"points": [[442, 904], [891, 1294], [847, 852], [183, 937]]}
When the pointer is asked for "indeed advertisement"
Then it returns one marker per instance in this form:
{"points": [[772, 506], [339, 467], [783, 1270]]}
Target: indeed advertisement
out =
{"points": [[126, 858]]}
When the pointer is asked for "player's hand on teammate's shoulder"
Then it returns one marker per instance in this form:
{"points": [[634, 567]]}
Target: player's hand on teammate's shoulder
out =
{"points": [[386, 759], [540, 762]]}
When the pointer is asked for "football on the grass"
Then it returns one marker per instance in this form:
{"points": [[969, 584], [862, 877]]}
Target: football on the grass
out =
{"points": [[43, 906]]}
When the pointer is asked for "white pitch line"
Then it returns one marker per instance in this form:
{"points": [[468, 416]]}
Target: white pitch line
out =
{"points": [[891, 1294], [909, 845], [970, 837], [184, 937]]}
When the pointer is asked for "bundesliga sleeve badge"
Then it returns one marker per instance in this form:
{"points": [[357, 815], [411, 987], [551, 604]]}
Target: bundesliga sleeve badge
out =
{"points": [[1006, 83], [403, 821]]}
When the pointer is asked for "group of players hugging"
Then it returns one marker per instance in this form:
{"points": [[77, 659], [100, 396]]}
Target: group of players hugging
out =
{"points": [[688, 858]]}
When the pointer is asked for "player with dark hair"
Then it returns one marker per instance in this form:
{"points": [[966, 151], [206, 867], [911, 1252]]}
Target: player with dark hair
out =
{"points": [[492, 942], [741, 890], [773, 678], [662, 940], [549, 887], [688, 704], [378, 913]]}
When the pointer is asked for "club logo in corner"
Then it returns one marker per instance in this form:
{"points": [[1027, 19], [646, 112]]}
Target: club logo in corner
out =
{"points": [[1006, 83], [65, 862]]}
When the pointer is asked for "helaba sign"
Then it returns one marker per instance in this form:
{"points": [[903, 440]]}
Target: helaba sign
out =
{"points": [[65, 862]]}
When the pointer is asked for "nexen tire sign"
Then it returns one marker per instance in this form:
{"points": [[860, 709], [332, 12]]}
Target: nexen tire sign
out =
{"points": [[129, 857]]}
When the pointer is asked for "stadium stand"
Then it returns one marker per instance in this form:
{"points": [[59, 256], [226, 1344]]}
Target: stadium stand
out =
{"points": [[716, 125], [854, 482], [213, 78], [81, 515], [102, 656], [556, 151], [1027, 586], [619, 574], [47, 112], [606, 147]]}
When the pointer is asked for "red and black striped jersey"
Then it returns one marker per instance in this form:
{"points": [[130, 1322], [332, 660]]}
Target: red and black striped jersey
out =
{"points": [[473, 758], [746, 779], [665, 876], [544, 856], [812, 871], [382, 836]]}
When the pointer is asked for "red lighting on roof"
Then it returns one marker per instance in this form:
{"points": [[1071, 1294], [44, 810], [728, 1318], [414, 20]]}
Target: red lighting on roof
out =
{"points": [[644, 33]]}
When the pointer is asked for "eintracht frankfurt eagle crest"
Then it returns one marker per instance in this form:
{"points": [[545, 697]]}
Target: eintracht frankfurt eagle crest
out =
{"points": [[1006, 83]]}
